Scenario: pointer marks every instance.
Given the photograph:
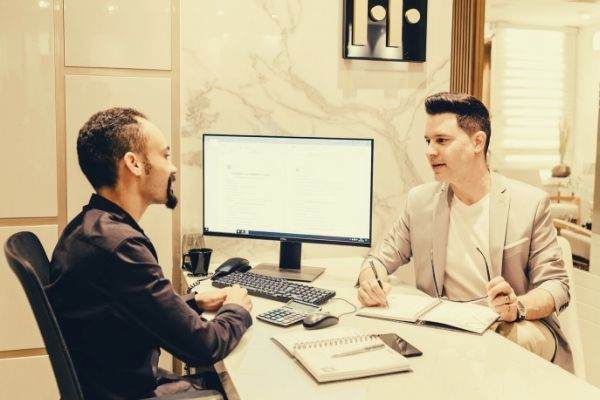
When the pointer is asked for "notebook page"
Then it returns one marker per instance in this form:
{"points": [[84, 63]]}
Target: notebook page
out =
{"points": [[402, 307], [319, 360], [469, 317]]}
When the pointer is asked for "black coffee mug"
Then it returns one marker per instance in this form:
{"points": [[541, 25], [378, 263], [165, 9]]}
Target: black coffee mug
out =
{"points": [[197, 261]]}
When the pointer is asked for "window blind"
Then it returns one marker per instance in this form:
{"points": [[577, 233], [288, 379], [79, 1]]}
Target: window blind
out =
{"points": [[531, 95]]}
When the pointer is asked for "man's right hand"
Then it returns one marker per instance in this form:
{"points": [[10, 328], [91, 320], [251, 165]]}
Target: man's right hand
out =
{"points": [[239, 296], [370, 294]]}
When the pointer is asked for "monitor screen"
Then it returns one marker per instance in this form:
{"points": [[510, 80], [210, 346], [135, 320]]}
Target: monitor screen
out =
{"points": [[305, 188]]}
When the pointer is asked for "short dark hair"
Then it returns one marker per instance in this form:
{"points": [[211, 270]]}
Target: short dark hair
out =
{"points": [[471, 114], [104, 139]]}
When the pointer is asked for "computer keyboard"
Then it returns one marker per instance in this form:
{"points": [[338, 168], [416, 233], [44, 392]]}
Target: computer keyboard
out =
{"points": [[274, 288]]}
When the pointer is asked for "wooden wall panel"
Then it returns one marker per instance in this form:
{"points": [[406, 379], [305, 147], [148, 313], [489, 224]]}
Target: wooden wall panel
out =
{"points": [[466, 70]]}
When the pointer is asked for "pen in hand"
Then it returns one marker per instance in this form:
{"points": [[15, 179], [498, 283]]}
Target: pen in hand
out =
{"points": [[378, 280]]}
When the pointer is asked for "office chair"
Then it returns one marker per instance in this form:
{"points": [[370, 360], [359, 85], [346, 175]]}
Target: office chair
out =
{"points": [[27, 259]]}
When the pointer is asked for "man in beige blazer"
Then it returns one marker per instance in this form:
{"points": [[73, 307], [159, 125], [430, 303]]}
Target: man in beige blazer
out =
{"points": [[477, 236]]}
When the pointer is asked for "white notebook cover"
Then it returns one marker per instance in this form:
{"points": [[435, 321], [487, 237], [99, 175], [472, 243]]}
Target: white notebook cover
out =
{"points": [[318, 358]]}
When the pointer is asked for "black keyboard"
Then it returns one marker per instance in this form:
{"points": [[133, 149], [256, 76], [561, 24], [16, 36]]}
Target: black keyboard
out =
{"points": [[274, 288]]}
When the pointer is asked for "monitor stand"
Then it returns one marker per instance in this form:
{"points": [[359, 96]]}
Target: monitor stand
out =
{"points": [[289, 264]]}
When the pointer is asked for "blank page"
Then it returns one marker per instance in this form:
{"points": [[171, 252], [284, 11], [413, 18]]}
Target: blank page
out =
{"points": [[402, 307]]}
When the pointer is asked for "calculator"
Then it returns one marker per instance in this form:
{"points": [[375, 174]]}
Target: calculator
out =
{"points": [[291, 313]]}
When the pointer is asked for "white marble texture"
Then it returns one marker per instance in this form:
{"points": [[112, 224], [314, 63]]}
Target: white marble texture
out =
{"points": [[273, 67]]}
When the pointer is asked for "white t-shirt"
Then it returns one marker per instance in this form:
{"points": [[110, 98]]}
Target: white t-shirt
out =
{"points": [[469, 229]]}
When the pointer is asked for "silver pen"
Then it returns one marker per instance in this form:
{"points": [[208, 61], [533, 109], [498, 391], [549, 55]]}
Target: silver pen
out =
{"points": [[358, 351], [387, 305]]}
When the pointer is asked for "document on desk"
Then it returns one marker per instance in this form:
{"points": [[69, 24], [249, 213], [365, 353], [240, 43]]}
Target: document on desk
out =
{"points": [[342, 353], [424, 309]]}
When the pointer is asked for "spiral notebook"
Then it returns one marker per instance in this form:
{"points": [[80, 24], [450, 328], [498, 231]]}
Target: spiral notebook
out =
{"points": [[342, 356], [424, 309]]}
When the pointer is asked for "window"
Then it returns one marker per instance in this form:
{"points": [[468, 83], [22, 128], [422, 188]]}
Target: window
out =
{"points": [[531, 95]]}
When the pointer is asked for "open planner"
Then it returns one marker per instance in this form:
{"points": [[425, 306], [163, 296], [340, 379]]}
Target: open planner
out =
{"points": [[341, 353], [412, 308]]}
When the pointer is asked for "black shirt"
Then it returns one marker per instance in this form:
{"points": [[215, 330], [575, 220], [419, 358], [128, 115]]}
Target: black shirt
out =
{"points": [[115, 308]]}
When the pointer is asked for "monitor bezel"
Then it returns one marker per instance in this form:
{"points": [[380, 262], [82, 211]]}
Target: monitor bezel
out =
{"points": [[290, 238]]}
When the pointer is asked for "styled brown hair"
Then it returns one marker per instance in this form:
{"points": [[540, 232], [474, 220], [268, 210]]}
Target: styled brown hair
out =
{"points": [[471, 114]]}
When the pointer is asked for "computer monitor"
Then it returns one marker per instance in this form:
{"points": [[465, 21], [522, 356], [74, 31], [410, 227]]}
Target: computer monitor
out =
{"points": [[291, 189]]}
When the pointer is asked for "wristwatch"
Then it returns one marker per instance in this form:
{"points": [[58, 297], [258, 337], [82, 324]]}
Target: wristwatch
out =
{"points": [[521, 311]]}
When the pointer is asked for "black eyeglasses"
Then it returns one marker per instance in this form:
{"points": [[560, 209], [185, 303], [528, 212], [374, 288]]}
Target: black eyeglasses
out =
{"points": [[437, 292]]}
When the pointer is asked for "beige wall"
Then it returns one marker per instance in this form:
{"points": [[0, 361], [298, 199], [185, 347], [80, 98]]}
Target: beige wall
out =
{"points": [[27, 110], [29, 168], [59, 65]]}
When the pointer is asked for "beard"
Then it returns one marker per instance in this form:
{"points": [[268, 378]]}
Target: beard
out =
{"points": [[172, 200]]}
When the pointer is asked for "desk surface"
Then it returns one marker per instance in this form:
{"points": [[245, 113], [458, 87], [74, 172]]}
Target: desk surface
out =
{"points": [[454, 365]]}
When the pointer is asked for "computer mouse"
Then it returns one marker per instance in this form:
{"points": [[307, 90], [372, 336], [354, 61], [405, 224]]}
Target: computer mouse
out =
{"points": [[319, 320]]}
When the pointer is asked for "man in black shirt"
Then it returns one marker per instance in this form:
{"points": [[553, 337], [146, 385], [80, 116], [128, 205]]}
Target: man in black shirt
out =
{"points": [[113, 304]]}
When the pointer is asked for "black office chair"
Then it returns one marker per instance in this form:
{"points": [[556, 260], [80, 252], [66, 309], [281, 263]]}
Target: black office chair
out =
{"points": [[29, 262]]}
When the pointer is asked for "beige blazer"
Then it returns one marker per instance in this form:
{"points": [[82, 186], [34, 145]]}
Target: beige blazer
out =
{"points": [[523, 246]]}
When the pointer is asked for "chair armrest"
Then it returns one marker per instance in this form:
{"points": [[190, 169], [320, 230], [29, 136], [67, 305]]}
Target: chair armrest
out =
{"points": [[562, 224]]}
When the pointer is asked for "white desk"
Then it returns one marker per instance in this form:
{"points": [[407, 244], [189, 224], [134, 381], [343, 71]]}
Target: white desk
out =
{"points": [[454, 365]]}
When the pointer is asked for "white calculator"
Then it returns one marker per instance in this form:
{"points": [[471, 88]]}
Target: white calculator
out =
{"points": [[291, 313]]}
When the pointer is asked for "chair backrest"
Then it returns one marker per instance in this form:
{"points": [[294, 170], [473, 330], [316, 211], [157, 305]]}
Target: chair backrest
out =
{"points": [[29, 262], [569, 318]]}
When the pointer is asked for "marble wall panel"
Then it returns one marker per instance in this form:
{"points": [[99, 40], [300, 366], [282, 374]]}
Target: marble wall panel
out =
{"points": [[271, 67], [118, 33], [27, 110]]}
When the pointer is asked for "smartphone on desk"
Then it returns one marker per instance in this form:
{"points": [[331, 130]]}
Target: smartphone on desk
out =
{"points": [[400, 345]]}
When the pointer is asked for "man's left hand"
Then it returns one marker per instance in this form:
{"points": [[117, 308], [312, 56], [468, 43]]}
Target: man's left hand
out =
{"points": [[211, 300], [502, 298]]}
